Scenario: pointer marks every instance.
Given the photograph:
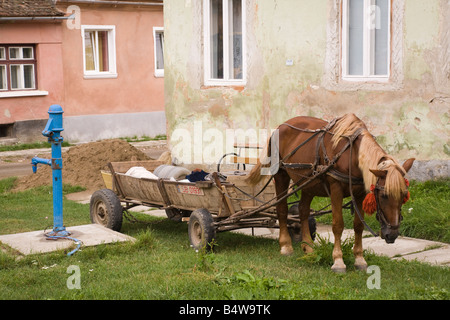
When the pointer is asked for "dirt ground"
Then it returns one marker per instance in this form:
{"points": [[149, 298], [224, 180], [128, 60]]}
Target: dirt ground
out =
{"points": [[81, 164]]}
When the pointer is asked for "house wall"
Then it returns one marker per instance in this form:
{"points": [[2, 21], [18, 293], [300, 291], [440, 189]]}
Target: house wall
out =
{"points": [[409, 115], [130, 104], [135, 88], [48, 40]]}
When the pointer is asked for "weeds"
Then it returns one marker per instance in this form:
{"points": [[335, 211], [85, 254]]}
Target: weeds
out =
{"points": [[323, 252], [248, 286], [206, 257]]}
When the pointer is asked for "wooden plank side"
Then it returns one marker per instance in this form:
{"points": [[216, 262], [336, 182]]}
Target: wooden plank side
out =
{"points": [[124, 166], [195, 198]]}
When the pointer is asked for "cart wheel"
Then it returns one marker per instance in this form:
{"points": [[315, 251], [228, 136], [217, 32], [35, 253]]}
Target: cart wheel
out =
{"points": [[106, 209], [296, 233], [201, 229]]}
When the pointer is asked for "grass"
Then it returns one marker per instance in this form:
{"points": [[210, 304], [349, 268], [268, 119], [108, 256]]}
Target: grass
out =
{"points": [[161, 264], [145, 138], [34, 145], [426, 215]]}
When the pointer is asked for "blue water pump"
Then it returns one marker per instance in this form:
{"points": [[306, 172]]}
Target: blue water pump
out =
{"points": [[53, 132]]}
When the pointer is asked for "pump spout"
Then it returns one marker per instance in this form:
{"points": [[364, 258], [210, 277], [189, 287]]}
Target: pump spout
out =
{"points": [[35, 161]]}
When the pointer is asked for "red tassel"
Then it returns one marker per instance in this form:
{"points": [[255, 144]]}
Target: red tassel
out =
{"points": [[370, 203], [406, 198]]}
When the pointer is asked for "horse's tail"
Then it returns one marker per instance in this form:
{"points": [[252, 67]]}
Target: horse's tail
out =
{"points": [[255, 174]]}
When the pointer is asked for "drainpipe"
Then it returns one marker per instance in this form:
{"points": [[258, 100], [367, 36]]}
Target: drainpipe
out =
{"points": [[36, 18], [112, 2]]}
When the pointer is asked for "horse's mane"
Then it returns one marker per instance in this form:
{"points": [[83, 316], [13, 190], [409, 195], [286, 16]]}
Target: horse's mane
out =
{"points": [[371, 156]]}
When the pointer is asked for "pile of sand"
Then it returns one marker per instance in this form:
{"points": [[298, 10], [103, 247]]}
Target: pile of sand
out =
{"points": [[82, 164]]}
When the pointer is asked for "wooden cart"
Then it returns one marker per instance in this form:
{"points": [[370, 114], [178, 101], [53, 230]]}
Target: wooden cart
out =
{"points": [[209, 207]]}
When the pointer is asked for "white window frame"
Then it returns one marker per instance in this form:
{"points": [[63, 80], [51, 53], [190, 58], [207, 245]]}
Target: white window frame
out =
{"points": [[95, 74], [159, 73], [20, 57], [226, 81], [368, 45], [3, 67], [4, 75], [21, 80]]}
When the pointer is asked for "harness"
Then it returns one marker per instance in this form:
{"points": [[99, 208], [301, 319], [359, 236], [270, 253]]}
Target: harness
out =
{"points": [[329, 164], [318, 172]]}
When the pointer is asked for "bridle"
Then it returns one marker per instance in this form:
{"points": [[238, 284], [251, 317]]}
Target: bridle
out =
{"points": [[380, 215]]}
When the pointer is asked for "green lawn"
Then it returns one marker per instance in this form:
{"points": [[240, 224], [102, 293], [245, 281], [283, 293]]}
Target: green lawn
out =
{"points": [[161, 264], [426, 215]]}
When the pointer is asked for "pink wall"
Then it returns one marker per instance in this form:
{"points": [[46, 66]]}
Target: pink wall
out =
{"points": [[60, 66], [47, 37], [135, 89]]}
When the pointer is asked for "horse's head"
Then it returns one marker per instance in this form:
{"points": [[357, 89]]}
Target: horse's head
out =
{"points": [[390, 193]]}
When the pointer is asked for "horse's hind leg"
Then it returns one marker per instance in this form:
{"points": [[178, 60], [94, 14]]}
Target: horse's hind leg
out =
{"points": [[281, 186], [338, 226], [304, 212]]}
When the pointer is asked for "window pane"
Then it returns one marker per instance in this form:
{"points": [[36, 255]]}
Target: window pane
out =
{"points": [[27, 53], [14, 53], [15, 77], [28, 76], [89, 40], [381, 37], [216, 39], [236, 39], [159, 42], [355, 36], [3, 77], [103, 61], [2, 54]]}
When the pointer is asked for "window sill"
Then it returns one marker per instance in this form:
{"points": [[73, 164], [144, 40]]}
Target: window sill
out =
{"points": [[23, 93], [100, 76], [222, 83], [159, 74], [372, 79]]}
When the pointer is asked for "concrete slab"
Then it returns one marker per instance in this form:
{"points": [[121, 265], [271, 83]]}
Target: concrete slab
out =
{"points": [[439, 256], [83, 197], [260, 232], [36, 242], [401, 247], [150, 211]]}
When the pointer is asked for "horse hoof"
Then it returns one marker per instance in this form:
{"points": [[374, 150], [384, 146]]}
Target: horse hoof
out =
{"points": [[339, 267], [360, 265], [339, 270], [286, 251]]}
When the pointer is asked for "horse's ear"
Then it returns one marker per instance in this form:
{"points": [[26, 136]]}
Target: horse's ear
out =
{"points": [[379, 173], [408, 164]]}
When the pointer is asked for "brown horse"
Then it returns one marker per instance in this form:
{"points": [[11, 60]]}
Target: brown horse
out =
{"points": [[336, 160]]}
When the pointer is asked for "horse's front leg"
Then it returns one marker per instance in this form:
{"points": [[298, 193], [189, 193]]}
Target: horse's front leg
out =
{"points": [[281, 187], [358, 226], [338, 226]]}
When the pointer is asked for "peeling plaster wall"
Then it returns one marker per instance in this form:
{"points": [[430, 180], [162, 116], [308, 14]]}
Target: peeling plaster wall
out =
{"points": [[409, 115]]}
